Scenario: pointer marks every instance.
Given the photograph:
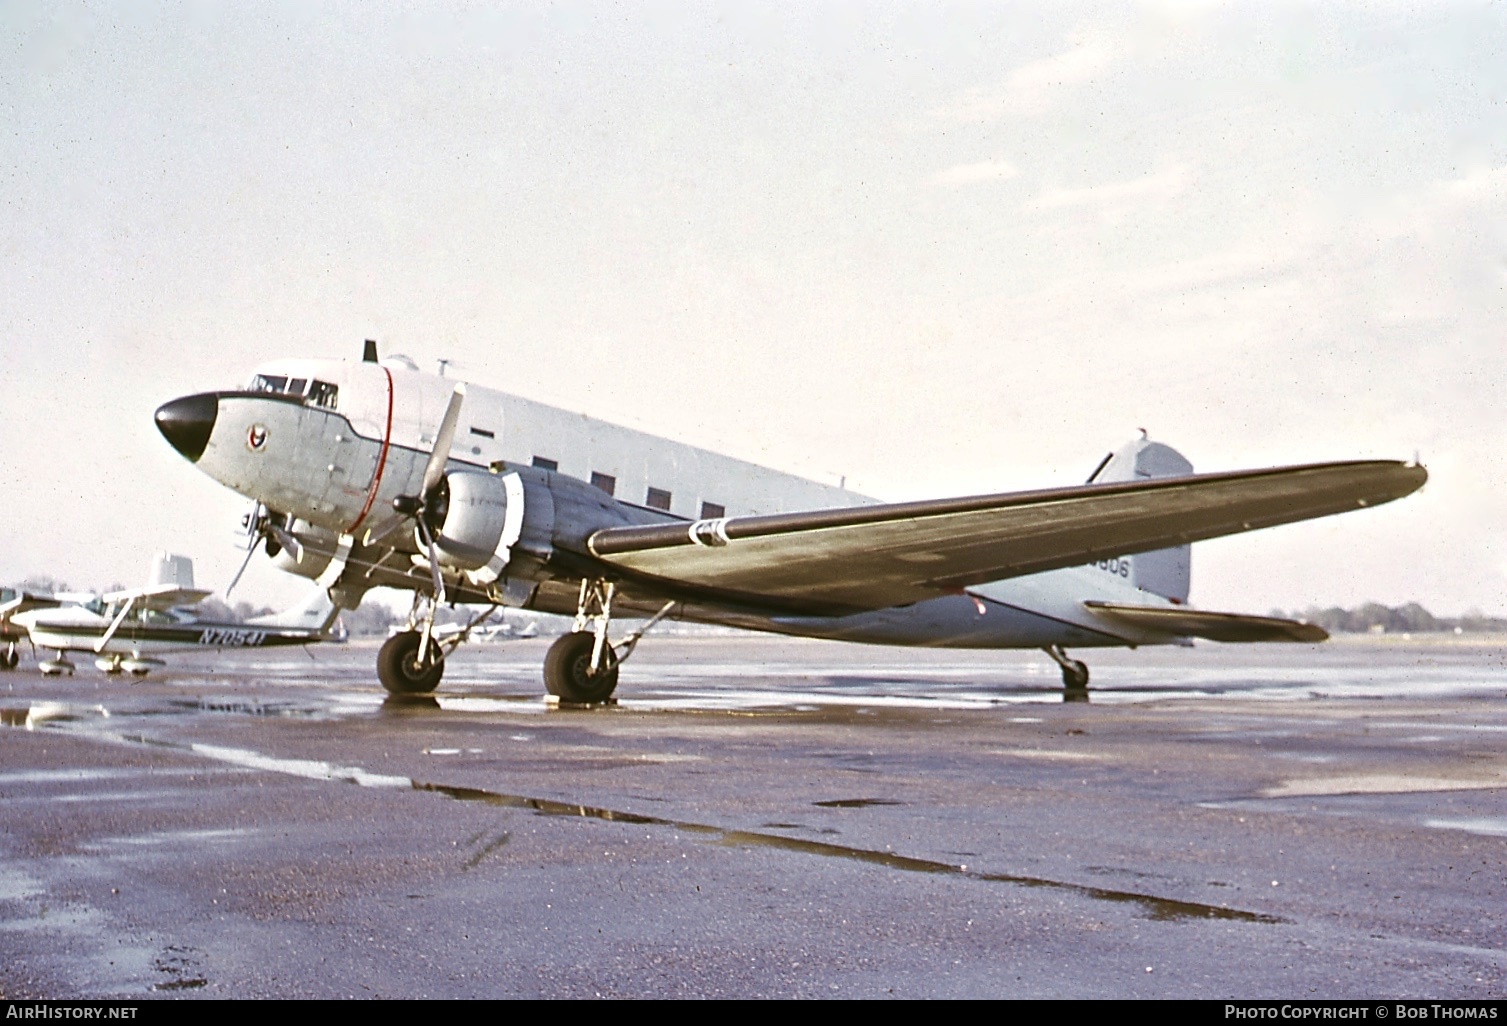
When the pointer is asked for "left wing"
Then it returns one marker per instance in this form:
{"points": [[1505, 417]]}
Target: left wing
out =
{"points": [[841, 561]]}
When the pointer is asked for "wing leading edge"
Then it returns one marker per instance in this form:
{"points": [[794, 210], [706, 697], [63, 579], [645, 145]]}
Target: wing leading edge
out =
{"points": [[841, 561]]}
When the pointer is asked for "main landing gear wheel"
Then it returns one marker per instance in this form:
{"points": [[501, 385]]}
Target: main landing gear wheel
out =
{"points": [[399, 669], [567, 670]]}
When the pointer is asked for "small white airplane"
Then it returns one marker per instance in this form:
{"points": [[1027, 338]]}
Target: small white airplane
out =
{"points": [[125, 630], [372, 473]]}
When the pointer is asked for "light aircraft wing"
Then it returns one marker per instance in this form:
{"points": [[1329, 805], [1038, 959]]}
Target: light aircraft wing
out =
{"points": [[1197, 623], [24, 601], [157, 596], [840, 561]]}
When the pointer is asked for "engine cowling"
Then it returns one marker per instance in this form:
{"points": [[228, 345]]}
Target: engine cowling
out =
{"points": [[318, 545], [477, 519]]}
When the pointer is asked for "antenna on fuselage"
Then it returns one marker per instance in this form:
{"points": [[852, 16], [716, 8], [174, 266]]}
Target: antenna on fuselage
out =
{"points": [[443, 364], [369, 353]]}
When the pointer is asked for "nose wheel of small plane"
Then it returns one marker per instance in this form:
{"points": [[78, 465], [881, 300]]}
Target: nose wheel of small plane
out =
{"points": [[400, 668], [10, 657], [1074, 672]]}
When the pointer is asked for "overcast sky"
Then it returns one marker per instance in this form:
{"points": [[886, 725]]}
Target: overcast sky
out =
{"points": [[938, 249]]}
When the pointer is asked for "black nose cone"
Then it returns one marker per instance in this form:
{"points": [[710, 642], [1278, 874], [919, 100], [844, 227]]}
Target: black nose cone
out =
{"points": [[187, 422]]}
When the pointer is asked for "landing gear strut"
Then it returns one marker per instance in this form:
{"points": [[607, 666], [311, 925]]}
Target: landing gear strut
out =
{"points": [[1074, 672], [10, 657], [412, 661], [582, 665]]}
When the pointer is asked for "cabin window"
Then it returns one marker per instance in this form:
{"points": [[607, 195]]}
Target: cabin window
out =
{"points": [[296, 386], [658, 498], [322, 393], [483, 432], [606, 482], [712, 511], [545, 463], [268, 383]]}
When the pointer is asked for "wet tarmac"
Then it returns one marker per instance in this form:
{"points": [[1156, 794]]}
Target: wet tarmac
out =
{"points": [[764, 817]]}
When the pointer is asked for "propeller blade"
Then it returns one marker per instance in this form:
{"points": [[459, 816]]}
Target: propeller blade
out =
{"points": [[435, 470], [375, 537], [285, 538], [250, 551]]}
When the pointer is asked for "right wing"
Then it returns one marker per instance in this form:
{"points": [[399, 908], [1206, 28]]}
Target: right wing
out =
{"points": [[841, 561]]}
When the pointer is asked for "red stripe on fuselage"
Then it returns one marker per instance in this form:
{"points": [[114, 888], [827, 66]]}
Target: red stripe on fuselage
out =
{"points": [[371, 496]]}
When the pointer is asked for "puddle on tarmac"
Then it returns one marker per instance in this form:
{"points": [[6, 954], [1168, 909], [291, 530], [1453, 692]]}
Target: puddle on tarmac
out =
{"points": [[314, 769], [1160, 909], [38, 713], [250, 707], [1486, 826]]}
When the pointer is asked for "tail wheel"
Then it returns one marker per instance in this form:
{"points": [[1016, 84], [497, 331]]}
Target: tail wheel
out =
{"points": [[399, 669], [567, 670]]}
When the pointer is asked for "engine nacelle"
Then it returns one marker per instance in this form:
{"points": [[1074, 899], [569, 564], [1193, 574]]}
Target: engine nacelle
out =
{"points": [[318, 545], [481, 519]]}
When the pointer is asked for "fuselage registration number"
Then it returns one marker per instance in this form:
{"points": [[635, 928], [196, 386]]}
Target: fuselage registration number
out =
{"points": [[231, 637]]}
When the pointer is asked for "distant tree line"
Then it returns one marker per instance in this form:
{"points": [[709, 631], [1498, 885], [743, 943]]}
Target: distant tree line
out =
{"points": [[1373, 617]]}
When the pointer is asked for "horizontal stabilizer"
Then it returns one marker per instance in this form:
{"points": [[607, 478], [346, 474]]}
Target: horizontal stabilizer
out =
{"points": [[839, 561], [314, 614], [1195, 623]]}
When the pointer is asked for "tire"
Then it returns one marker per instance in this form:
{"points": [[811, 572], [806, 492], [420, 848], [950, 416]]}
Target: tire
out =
{"points": [[9, 658], [1075, 676], [566, 673], [398, 668]]}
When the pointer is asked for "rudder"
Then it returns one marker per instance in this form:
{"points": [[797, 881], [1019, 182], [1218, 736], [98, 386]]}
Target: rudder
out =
{"points": [[1165, 572]]}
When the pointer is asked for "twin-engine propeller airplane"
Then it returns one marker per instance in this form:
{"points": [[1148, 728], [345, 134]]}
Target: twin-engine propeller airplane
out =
{"points": [[125, 630], [370, 474]]}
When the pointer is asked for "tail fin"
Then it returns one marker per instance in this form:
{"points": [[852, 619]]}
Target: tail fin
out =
{"points": [[1165, 572], [174, 571], [315, 613]]}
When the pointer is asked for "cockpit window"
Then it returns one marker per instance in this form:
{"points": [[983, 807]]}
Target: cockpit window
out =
{"points": [[317, 393], [322, 393], [268, 383]]}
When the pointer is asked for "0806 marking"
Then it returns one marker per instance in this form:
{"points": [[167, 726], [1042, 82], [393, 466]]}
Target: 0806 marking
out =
{"points": [[1118, 567]]}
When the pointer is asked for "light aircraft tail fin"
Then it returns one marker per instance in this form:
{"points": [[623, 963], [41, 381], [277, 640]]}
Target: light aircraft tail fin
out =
{"points": [[170, 583], [171, 571], [316, 614], [1165, 572]]}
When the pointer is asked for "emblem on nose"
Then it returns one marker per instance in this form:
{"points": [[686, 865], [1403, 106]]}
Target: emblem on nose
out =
{"points": [[256, 437], [187, 423]]}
